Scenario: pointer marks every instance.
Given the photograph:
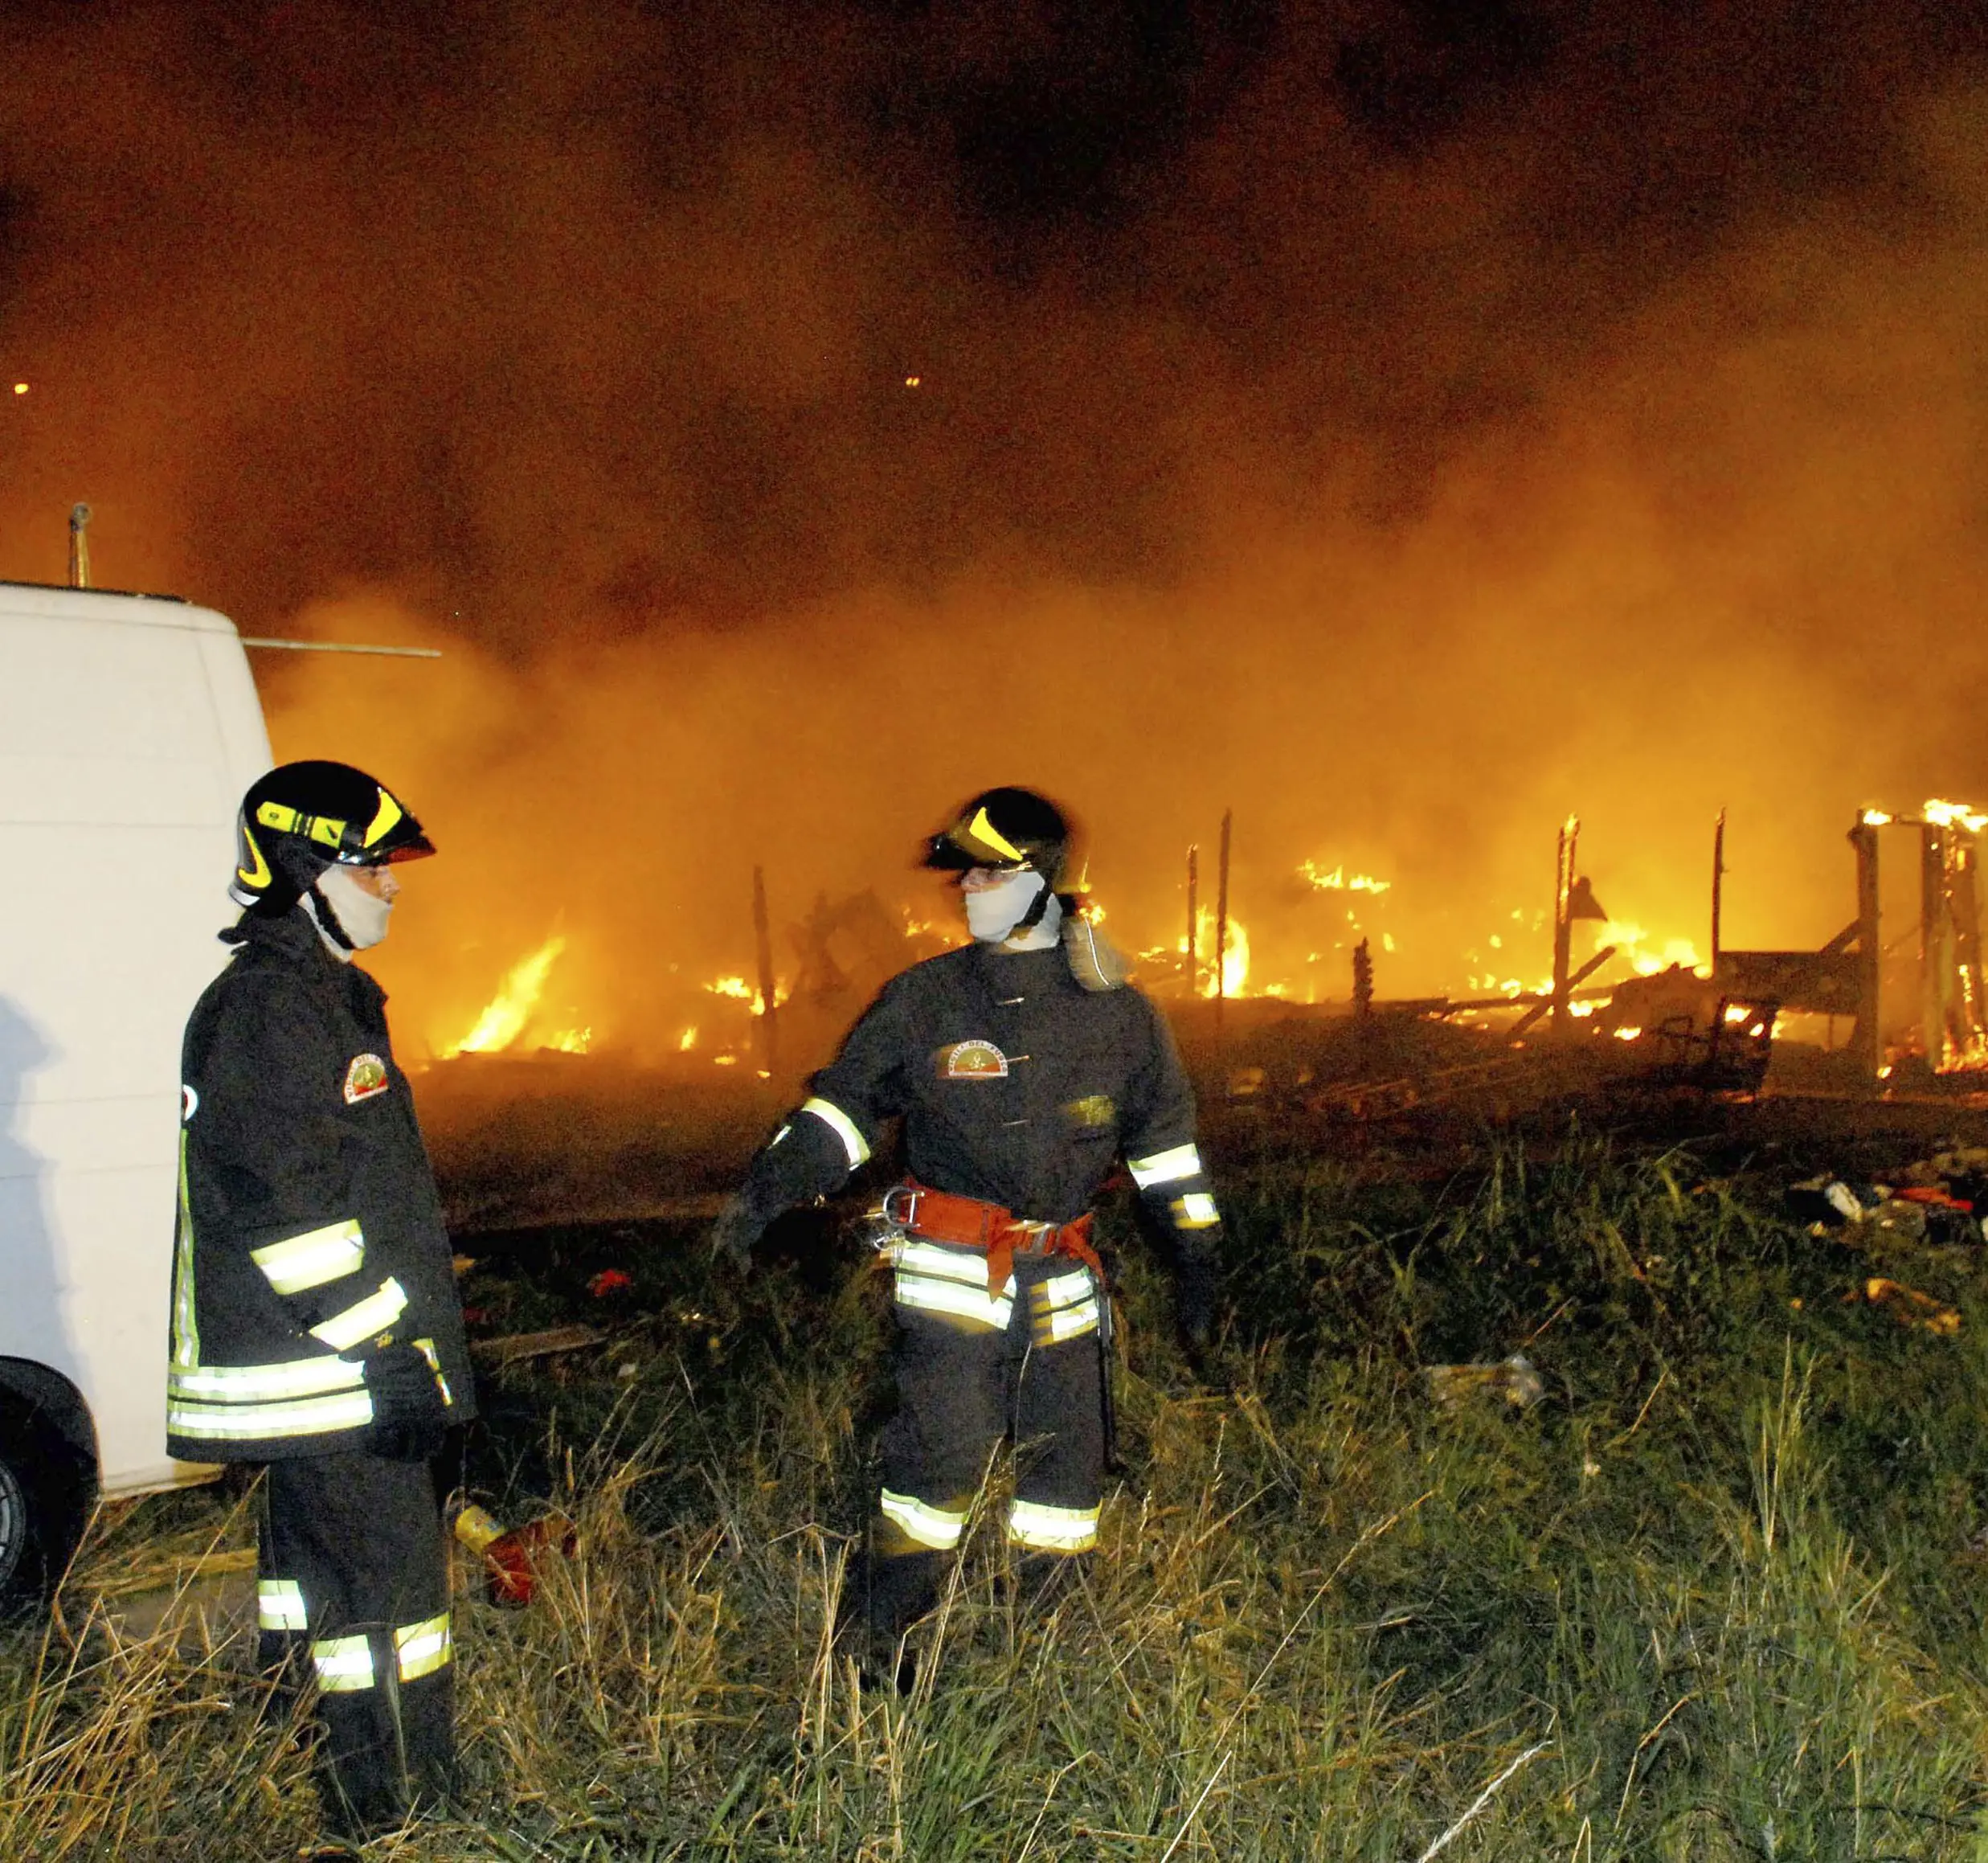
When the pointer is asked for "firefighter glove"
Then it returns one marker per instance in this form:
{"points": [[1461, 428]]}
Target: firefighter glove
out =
{"points": [[409, 1415], [1194, 1302], [733, 1235]]}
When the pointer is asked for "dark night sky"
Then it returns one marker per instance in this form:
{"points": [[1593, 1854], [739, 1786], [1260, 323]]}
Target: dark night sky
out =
{"points": [[1393, 418]]}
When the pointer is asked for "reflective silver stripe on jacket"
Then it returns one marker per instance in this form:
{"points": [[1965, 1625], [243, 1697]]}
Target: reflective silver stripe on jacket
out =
{"points": [[1195, 1210], [309, 1260], [316, 1416], [839, 1122], [1167, 1167], [305, 1397], [364, 1319], [952, 1282]]}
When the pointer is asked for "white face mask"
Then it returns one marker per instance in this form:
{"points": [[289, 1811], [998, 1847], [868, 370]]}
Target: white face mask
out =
{"points": [[361, 916], [994, 911]]}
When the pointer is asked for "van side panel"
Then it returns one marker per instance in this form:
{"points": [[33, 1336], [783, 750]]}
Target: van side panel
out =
{"points": [[128, 732]]}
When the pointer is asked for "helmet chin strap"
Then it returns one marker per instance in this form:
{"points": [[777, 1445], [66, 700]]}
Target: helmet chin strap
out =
{"points": [[325, 917]]}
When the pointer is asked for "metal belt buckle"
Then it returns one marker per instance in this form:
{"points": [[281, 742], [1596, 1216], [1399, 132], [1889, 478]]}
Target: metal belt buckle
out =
{"points": [[900, 1218], [1038, 1239]]}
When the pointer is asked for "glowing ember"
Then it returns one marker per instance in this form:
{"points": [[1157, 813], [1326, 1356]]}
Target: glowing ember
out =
{"points": [[688, 1040], [1339, 880], [571, 1041], [503, 1020], [1629, 1034], [1874, 818]]}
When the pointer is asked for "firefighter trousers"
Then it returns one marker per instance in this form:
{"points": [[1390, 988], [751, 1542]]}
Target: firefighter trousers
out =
{"points": [[971, 1368], [352, 1595]]}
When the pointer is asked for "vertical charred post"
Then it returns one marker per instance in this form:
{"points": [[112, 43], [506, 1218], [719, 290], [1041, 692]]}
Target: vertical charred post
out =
{"points": [[1863, 1040], [1194, 914], [1221, 926], [763, 939]]}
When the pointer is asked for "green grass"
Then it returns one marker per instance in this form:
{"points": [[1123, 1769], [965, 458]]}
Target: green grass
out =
{"points": [[1711, 1599]]}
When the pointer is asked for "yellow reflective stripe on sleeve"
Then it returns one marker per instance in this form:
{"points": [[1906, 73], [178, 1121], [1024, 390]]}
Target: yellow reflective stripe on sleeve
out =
{"points": [[975, 1305], [1052, 1529], [937, 1527], [280, 1604], [186, 1314], [426, 1348], [253, 1384], [839, 1122], [424, 1647], [1195, 1210], [310, 1417], [312, 1259], [1165, 1167], [364, 1319], [343, 1664]]}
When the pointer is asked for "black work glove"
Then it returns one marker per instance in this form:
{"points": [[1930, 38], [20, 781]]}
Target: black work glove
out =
{"points": [[1194, 1304], [410, 1419], [733, 1233]]}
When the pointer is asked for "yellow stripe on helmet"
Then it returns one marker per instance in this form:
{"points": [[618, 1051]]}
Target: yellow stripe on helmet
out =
{"points": [[389, 813], [984, 832]]}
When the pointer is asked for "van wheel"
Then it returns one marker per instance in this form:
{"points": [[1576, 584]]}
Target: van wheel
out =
{"points": [[43, 1504]]}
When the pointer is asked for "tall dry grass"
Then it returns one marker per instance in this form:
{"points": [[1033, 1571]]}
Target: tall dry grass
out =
{"points": [[1710, 1600]]}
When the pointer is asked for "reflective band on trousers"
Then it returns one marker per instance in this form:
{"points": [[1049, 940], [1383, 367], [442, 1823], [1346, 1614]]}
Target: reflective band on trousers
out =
{"points": [[280, 1604], [364, 1319], [1165, 1167], [844, 1127], [424, 1647], [309, 1260], [1063, 1306], [343, 1664], [1052, 1529], [1195, 1210], [937, 1527]]}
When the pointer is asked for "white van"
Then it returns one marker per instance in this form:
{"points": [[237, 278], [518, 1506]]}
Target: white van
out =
{"points": [[130, 727]]}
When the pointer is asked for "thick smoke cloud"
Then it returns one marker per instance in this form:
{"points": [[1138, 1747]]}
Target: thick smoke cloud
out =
{"points": [[1405, 422]]}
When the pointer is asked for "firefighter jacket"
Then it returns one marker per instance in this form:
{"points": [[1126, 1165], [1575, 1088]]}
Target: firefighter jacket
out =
{"points": [[309, 1221], [1017, 1085]]}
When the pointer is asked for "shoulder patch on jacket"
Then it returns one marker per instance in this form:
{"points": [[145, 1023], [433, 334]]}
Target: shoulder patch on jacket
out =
{"points": [[365, 1077], [977, 1059]]}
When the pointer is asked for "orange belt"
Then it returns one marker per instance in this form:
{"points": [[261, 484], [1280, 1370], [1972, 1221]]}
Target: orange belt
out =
{"points": [[940, 1217]]}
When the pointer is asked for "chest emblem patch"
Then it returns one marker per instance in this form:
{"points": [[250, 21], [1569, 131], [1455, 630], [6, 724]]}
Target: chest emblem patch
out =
{"points": [[365, 1077], [974, 1060], [1091, 1113]]}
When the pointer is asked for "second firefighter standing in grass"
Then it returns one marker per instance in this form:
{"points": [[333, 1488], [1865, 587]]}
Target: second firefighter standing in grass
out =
{"points": [[1024, 1066]]}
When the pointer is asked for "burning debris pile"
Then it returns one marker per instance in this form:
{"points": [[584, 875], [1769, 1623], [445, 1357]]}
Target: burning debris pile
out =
{"points": [[1667, 1014]]}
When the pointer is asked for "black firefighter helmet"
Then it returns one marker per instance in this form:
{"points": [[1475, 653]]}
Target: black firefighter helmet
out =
{"points": [[1004, 830], [302, 818]]}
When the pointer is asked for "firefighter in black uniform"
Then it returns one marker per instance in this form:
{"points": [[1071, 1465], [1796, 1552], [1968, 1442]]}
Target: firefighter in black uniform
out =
{"points": [[315, 1327], [1024, 1066]]}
